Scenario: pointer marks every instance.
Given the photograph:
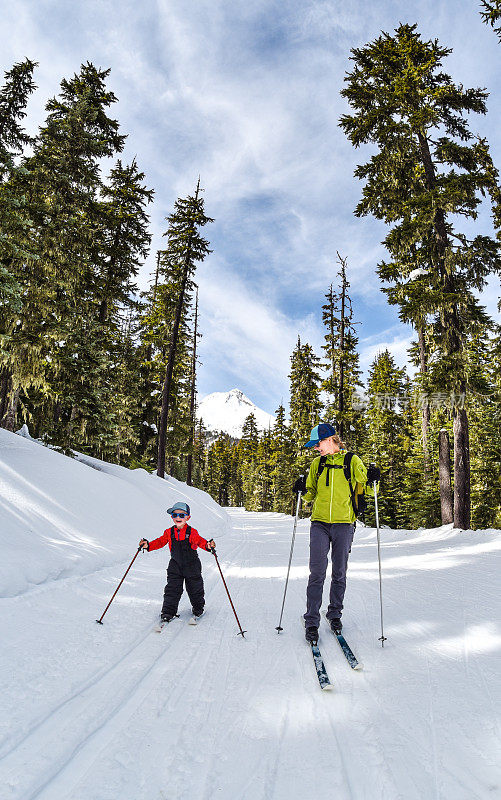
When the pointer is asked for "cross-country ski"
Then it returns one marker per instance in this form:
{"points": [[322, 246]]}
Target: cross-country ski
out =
{"points": [[346, 649], [321, 671]]}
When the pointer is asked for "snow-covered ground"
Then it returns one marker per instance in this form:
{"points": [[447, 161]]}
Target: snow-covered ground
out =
{"points": [[118, 712]]}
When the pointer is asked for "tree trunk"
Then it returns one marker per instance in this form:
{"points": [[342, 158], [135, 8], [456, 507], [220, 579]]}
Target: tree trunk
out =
{"points": [[192, 399], [57, 412], [9, 418], [4, 391], [444, 477], [162, 433], [71, 423], [164, 414], [454, 336], [425, 418], [149, 349], [461, 469]]}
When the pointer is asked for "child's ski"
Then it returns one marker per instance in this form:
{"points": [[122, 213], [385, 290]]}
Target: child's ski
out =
{"points": [[194, 620], [160, 625]]}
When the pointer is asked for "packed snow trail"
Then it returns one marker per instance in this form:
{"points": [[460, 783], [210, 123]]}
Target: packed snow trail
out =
{"points": [[96, 713]]}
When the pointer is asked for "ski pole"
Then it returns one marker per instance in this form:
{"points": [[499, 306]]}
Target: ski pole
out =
{"points": [[382, 638], [100, 621], [229, 598], [279, 626]]}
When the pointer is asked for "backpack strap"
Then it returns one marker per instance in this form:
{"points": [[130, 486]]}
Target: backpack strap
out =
{"points": [[323, 465], [347, 475]]}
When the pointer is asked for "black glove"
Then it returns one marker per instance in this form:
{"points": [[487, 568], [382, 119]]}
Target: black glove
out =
{"points": [[300, 485], [373, 473]]}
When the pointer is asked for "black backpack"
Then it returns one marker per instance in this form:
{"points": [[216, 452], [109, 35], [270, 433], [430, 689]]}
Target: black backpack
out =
{"points": [[358, 501]]}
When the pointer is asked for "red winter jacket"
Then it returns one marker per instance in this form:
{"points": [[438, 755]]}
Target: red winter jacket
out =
{"points": [[195, 539]]}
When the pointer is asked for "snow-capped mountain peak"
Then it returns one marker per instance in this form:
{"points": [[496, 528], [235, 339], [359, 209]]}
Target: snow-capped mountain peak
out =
{"points": [[227, 411]]}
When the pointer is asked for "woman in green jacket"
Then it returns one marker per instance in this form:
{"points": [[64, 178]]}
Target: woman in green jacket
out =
{"points": [[332, 522]]}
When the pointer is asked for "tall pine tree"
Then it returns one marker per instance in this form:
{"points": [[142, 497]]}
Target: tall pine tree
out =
{"points": [[340, 347], [186, 247], [428, 171]]}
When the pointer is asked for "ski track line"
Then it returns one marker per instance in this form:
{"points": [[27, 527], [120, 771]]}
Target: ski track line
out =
{"points": [[163, 699], [228, 722], [347, 682], [361, 697], [90, 749], [93, 684], [322, 708], [37, 742], [433, 732], [92, 680], [9, 746], [423, 751], [353, 681]]}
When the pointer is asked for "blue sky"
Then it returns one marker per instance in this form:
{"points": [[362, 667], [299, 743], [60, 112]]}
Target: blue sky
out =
{"points": [[246, 95]]}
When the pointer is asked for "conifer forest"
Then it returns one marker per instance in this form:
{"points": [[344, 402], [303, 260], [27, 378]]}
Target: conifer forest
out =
{"points": [[93, 365]]}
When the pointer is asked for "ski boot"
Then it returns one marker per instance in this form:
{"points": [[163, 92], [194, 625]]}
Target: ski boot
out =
{"points": [[311, 634], [336, 625]]}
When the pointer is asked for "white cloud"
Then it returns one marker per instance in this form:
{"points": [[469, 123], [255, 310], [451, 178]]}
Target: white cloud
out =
{"points": [[396, 342]]}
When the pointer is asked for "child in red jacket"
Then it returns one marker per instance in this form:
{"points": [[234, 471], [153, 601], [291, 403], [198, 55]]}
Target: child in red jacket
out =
{"points": [[184, 565]]}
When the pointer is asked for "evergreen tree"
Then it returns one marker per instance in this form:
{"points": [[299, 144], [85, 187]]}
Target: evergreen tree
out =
{"points": [[342, 357], [185, 248], [262, 490], [426, 173], [305, 403], [58, 326], [14, 222], [491, 15], [249, 462], [218, 471], [124, 238], [420, 480], [282, 463], [485, 408], [387, 443], [157, 323]]}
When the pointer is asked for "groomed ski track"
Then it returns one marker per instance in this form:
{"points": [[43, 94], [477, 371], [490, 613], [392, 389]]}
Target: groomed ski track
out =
{"points": [[100, 713]]}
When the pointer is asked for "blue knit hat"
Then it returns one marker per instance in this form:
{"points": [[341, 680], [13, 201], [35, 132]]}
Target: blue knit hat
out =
{"points": [[319, 432]]}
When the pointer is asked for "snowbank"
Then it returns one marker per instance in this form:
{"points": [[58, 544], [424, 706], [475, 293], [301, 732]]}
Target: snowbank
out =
{"points": [[61, 517]]}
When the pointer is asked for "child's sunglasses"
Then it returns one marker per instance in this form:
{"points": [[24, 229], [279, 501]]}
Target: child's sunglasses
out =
{"points": [[181, 515]]}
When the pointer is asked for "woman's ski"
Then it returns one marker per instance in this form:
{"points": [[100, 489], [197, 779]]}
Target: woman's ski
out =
{"points": [[322, 676], [345, 647], [350, 655]]}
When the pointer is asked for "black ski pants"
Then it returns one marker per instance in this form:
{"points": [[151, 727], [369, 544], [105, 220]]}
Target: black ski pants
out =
{"points": [[187, 572]]}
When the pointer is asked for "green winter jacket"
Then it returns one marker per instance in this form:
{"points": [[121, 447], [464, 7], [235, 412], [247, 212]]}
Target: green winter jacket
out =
{"points": [[333, 503]]}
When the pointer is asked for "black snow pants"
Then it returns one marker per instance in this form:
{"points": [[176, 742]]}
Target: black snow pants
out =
{"points": [[184, 567]]}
